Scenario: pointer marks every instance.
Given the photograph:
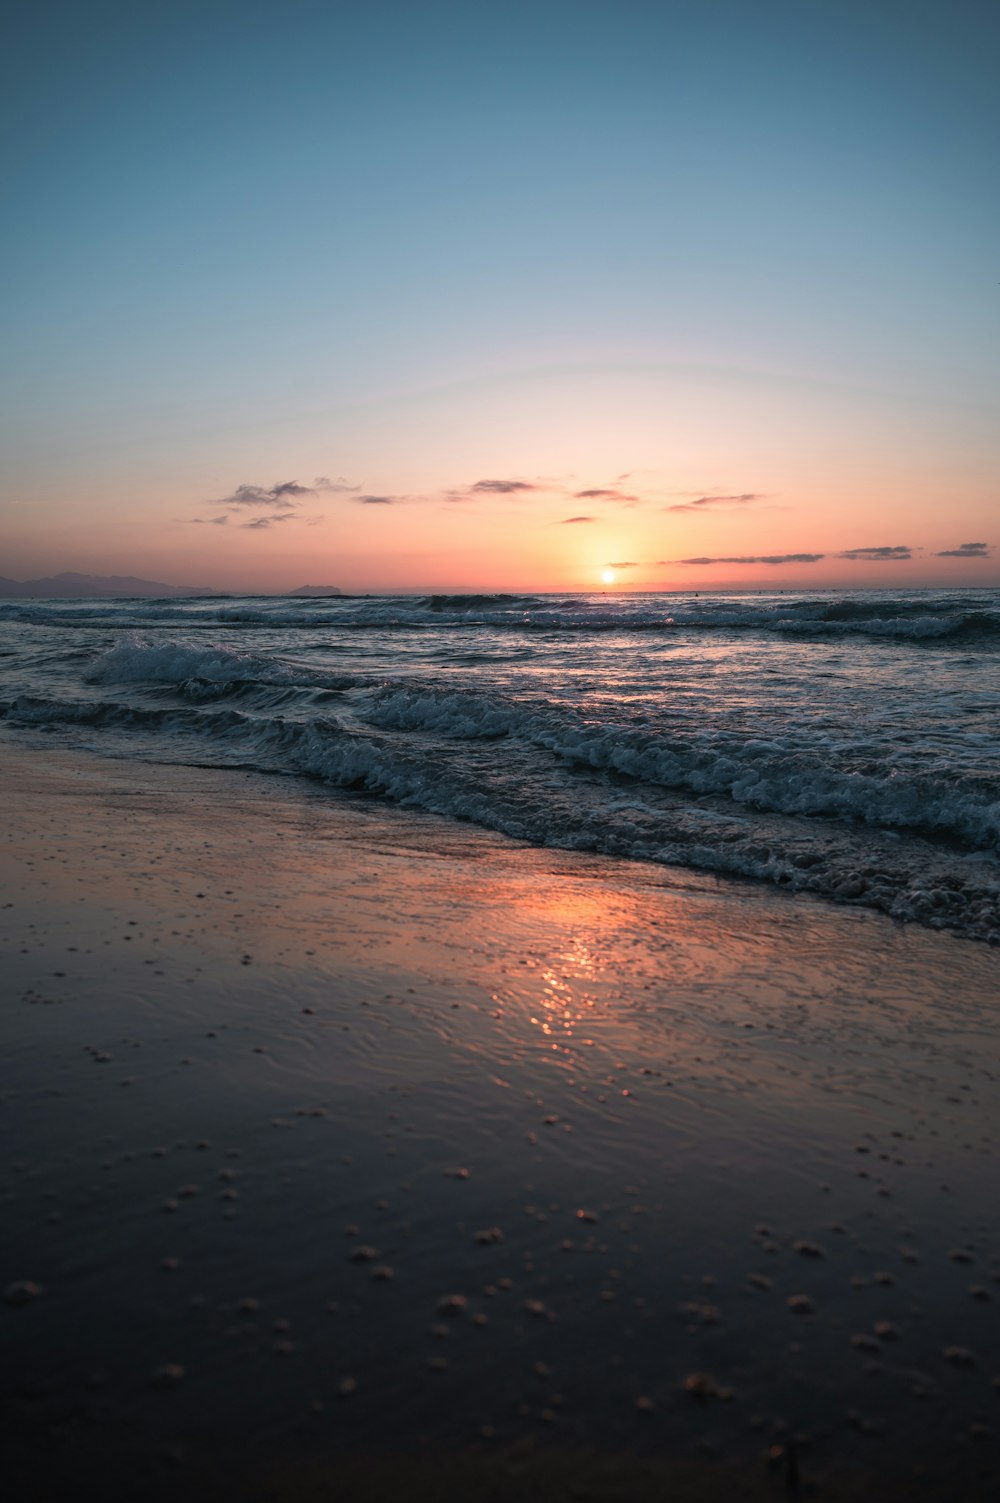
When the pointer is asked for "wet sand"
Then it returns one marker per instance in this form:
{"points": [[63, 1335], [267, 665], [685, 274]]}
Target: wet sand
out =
{"points": [[353, 1153]]}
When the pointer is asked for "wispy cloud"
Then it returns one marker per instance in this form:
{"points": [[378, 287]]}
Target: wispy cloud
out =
{"points": [[283, 496], [567, 520], [700, 502], [607, 493], [376, 500], [324, 483], [966, 550], [480, 488], [622, 566], [759, 558], [544, 485], [259, 523], [501, 487], [281, 500], [878, 555]]}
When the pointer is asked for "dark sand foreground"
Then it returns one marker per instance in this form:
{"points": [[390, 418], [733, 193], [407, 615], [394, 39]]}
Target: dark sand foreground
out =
{"points": [[350, 1154]]}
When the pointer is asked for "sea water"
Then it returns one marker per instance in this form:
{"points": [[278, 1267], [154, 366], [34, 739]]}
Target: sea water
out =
{"points": [[844, 744]]}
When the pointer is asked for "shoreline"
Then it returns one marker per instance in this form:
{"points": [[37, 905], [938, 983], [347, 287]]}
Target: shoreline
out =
{"points": [[347, 1003]]}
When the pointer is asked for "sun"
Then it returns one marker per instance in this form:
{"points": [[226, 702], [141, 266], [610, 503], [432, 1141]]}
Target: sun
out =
{"points": [[608, 576]]}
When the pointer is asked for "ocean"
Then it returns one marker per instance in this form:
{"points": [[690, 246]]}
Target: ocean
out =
{"points": [[837, 743]]}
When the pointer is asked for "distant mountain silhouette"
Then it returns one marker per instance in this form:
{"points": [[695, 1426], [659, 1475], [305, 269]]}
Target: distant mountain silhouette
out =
{"points": [[91, 586], [316, 589]]}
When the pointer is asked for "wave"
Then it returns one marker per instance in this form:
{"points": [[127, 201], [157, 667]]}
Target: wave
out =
{"points": [[477, 602], [770, 774], [805, 773], [737, 822], [136, 660], [921, 619]]}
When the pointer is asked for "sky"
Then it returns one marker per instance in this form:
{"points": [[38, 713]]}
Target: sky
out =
{"points": [[461, 294]]}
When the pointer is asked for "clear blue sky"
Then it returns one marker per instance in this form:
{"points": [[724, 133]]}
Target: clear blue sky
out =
{"points": [[757, 246]]}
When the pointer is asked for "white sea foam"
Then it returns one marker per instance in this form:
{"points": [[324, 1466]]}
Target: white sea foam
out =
{"points": [[776, 774], [894, 617], [838, 745], [513, 794], [137, 661]]}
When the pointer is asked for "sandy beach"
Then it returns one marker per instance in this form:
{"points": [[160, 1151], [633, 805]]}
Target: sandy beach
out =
{"points": [[355, 1153]]}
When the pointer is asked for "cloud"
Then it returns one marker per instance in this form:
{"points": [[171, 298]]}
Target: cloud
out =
{"points": [[261, 522], [611, 493], [542, 485], [492, 488], [567, 520], [742, 499], [878, 555], [284, 495], [500, 487], [291, 488], [621, 566], [763, 558], [281, 500], [323, 483], [376, 500], [966, 550]]}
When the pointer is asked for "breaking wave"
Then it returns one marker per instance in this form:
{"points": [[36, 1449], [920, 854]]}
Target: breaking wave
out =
{"points": [[904, 619], [833, 744]]}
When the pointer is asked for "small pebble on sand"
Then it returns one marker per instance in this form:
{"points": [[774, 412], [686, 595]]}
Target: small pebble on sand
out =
{"points": [[167, 1376], [452, 1304]]}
